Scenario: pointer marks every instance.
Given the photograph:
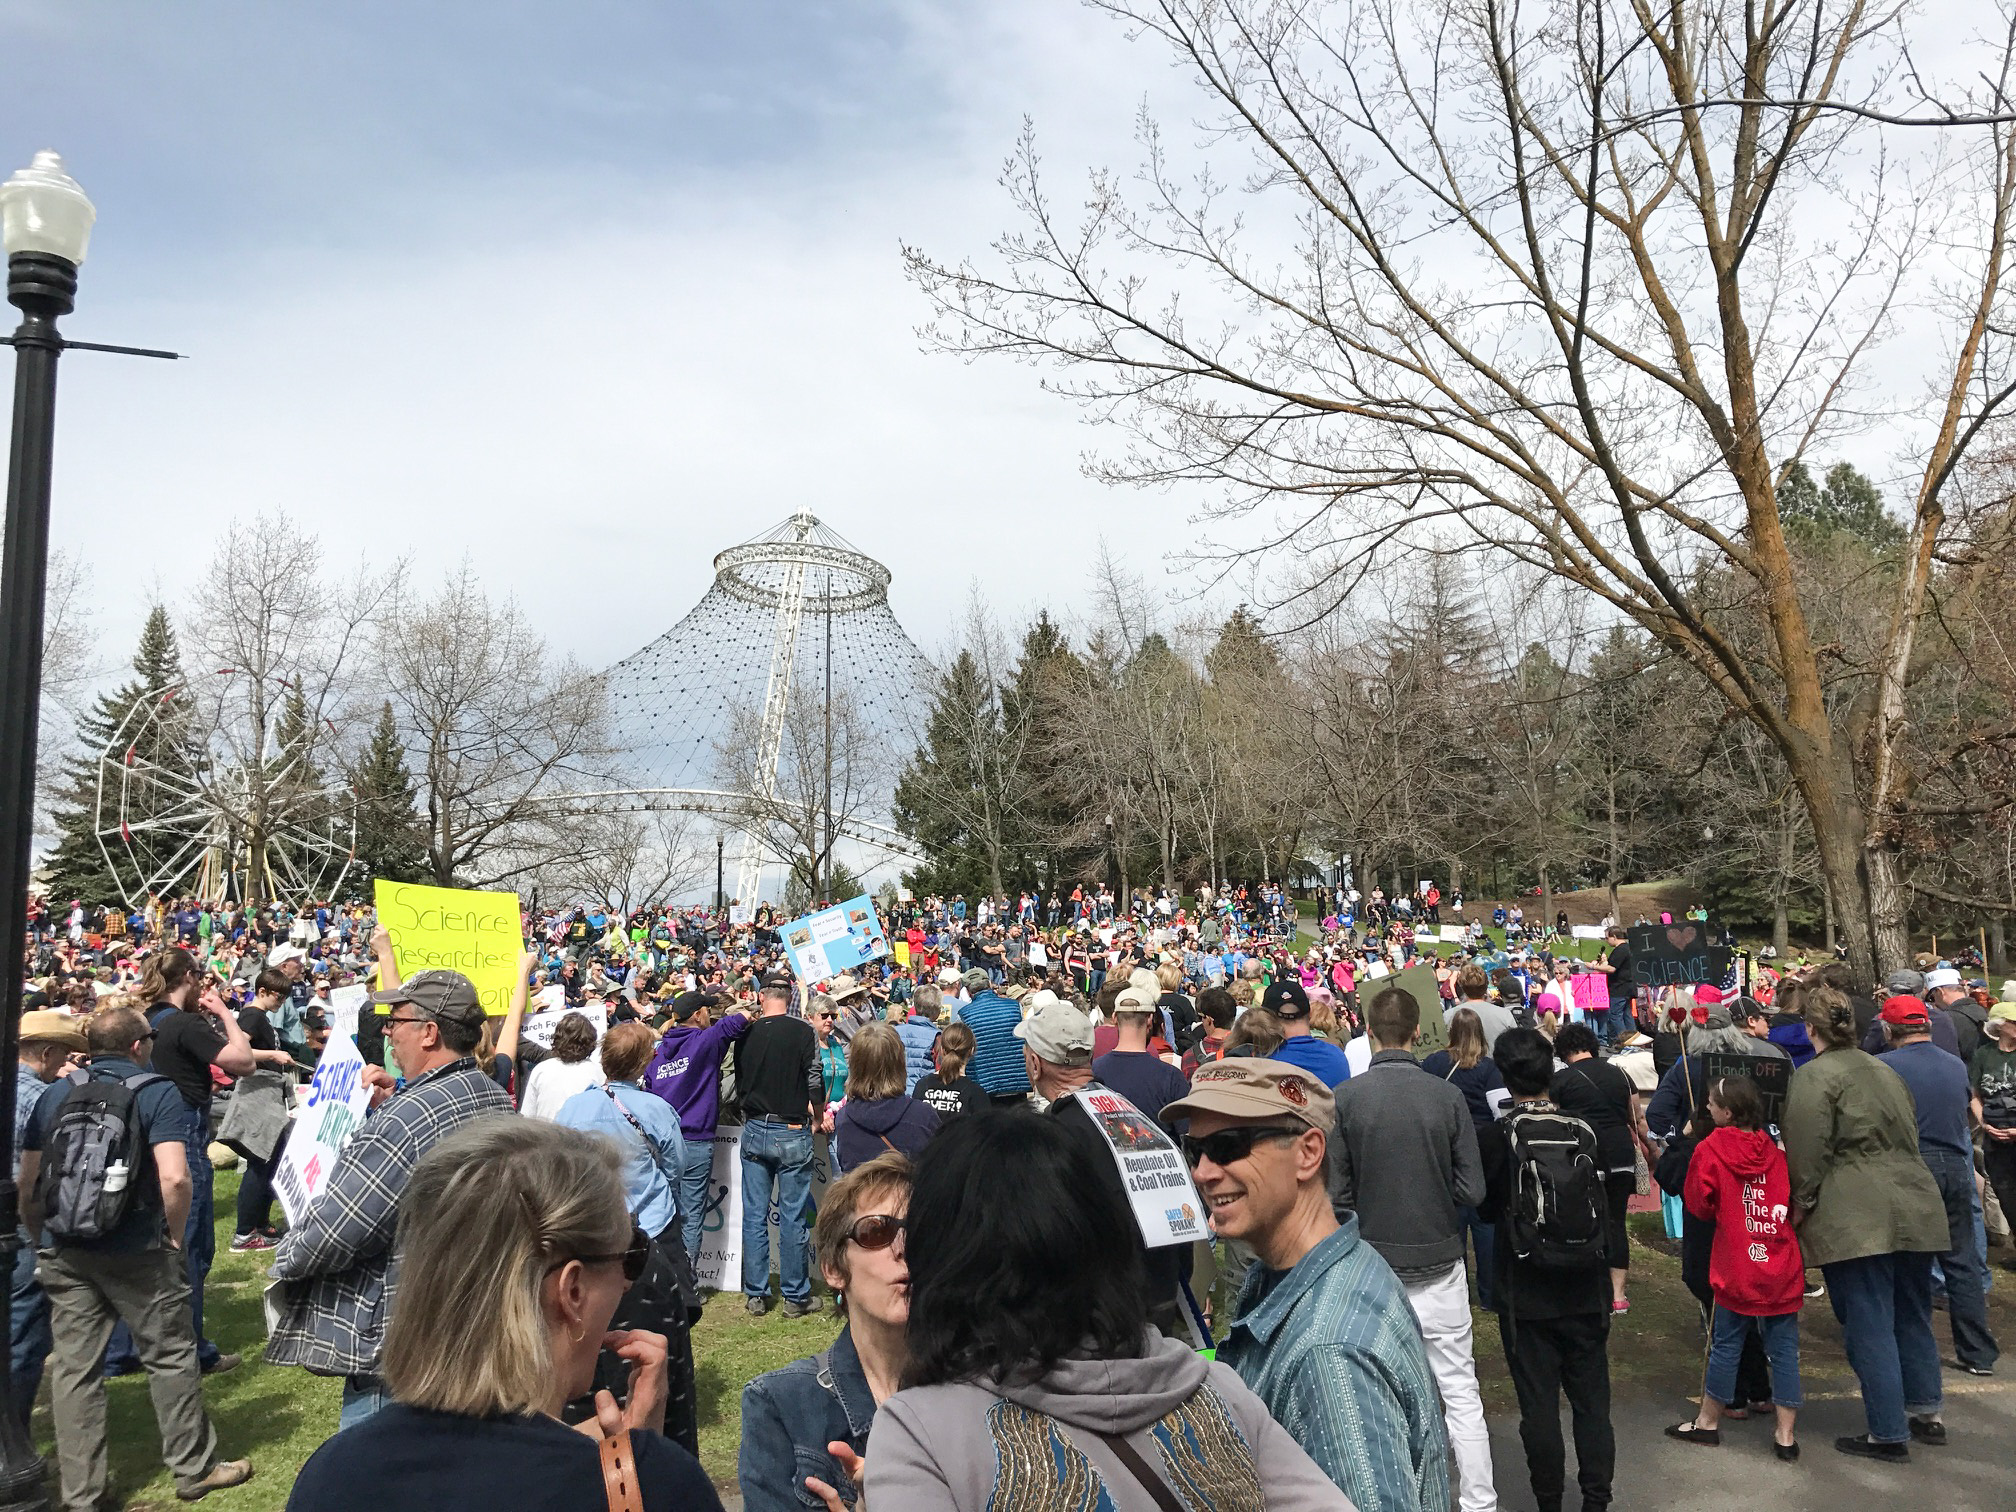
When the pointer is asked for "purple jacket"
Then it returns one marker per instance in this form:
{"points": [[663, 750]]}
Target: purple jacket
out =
{"points": [[862, 1126], [686, 1071]]}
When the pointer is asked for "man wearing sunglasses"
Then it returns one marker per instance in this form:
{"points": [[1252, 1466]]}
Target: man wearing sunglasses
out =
{"points": [[1322, 1331], [337, 1261]]}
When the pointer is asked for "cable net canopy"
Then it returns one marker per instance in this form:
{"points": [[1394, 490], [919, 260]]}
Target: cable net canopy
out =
{"points": [[674, 703]]}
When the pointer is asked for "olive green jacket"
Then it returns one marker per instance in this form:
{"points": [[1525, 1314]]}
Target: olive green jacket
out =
{"points": [[1851, 1141]]}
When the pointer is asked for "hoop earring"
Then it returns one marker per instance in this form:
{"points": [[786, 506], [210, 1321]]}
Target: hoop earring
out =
{"points": [[580, 1334]]}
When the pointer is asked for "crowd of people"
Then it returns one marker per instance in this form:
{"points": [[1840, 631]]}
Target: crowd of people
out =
{"points": [[501, 1267]]}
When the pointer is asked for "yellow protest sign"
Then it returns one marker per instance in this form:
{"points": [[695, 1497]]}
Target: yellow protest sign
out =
{"points": [[479, 934]]}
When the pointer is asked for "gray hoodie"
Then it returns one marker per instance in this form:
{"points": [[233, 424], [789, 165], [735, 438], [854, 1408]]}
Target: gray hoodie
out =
{"points": [[942, 1447]]}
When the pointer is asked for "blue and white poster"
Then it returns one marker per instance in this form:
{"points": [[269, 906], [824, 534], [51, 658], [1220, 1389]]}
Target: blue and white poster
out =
{"points": [[835, 939]]}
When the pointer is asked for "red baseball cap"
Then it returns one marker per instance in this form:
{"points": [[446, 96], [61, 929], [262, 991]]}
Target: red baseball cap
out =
{"points": [[1905, 1011]]}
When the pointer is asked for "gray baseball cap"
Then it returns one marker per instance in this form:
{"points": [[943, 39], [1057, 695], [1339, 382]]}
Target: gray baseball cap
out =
{"points": [[447, 995]]}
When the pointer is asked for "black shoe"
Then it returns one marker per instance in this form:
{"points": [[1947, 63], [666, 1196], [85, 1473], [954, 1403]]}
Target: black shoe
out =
{"points": [[1787, 1452], [1862, 1447], [1693, 1433], [1975, 1370], [803, 1309], [757, 1306], [1929, 1431]]}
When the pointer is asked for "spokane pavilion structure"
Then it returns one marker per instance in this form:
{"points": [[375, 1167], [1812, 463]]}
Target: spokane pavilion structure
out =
{"points": [[796, 617]]}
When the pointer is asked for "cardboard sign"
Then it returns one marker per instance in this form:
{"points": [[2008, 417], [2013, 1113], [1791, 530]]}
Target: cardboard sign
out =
{"points": [[1663, 955], [479, 934], [1771, 1073], [337, 1103], [1418, 980], [1166, 1206], [834, 940]]}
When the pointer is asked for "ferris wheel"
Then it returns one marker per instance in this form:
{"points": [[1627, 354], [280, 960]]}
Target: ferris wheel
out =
{"points": [[171, 818]]}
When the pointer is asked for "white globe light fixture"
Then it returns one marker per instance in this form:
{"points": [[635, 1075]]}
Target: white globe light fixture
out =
{"points": [[44, 210]]}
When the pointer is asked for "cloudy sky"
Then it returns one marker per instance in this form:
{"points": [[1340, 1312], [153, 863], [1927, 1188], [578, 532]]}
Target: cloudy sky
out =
{"points": [[586, 292]]}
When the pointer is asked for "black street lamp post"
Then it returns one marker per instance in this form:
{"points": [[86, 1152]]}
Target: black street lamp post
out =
{"points": [[47, 224]]}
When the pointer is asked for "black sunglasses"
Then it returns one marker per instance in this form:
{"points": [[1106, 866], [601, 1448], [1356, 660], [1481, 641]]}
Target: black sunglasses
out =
{"points": [[636, 1255], [1228, 1145], [877, 1230]]}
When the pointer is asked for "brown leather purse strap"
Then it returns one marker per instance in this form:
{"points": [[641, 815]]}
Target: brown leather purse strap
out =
{"points": [[1152, 1483], [619, 1474]]}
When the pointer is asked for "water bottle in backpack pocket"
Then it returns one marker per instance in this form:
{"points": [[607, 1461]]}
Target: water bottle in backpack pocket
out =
{"points": [[1558, 1214], [94, 1158]]}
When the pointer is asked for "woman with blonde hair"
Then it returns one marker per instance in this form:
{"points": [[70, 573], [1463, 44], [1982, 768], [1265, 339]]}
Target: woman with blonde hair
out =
{"points": [[515, 1244], [1467, 1066], [878, 1115]]}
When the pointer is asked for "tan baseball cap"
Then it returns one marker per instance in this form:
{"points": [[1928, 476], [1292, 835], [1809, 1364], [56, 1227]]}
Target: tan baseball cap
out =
{"points": [[1254, 1091], [1058, 1033]]}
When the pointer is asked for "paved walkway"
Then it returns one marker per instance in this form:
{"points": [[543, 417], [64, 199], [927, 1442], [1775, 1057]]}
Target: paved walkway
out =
{"points": [[1976, 1472]]}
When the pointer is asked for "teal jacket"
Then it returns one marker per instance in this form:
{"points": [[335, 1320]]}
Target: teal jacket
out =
{"points": [[1332, 1348]]}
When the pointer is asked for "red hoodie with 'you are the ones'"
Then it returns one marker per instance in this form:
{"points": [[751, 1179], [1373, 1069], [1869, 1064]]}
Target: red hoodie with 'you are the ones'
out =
{"points": [[1737, 1180]]}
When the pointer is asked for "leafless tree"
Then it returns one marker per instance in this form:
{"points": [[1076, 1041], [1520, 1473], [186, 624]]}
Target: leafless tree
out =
{"points": [[824, 750], [627, 860], [496, 727], [275, 636], [1572, 286]]}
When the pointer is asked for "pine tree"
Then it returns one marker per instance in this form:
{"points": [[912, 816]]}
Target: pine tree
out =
{"points": [[1848, 503], [390, 843], [941, 797], [157, 781]]}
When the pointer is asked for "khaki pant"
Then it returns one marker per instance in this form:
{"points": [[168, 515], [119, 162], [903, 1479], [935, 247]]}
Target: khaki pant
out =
{"points": [[89, 1291]]}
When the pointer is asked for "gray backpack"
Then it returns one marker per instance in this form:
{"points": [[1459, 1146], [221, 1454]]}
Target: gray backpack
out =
{"points": [[93, 1158]]}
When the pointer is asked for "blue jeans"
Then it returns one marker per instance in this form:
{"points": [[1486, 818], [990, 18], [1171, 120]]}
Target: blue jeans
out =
{"points": [[1617, 1023], [1780, 1335], [694, 1205], [1963, 1273], [779, 1158], [1884, 1303], [199, 1248], [32, 1340], [362, 1396], [1485, 1237]]}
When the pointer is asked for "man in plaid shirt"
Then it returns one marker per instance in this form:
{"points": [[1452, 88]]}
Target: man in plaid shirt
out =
{"points": [[337, 1267]]}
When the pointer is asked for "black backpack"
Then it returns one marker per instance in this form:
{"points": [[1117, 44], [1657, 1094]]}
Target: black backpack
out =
{"points": [[1558, 1217], [94, 1157]]}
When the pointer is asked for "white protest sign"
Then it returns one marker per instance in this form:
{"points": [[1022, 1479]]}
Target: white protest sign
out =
{"points": [[539, 1027], [1166, 1206], [718, 1265], [345, 1003], [337, 1103], [1585, 931], [1377, 969], [1452, 934], [552, 995]]}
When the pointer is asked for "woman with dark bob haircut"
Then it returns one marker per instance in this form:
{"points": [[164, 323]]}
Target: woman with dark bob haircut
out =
{"points": [[1032, 1365]]}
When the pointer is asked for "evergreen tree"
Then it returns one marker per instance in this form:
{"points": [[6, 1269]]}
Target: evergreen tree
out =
{"points": [[1847, 503], [391, 842], [943, 796], [156, 779]]}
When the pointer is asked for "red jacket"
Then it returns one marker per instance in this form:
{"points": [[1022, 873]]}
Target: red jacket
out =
{"points": [[1737, 1180]]}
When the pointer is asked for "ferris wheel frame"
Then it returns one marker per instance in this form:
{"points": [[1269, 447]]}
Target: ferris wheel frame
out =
{"points": [[201, 827]]}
